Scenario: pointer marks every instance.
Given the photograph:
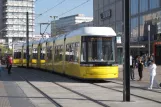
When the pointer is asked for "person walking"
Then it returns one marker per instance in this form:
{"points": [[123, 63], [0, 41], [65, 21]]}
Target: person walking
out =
{"points": [[0, 68], [10, 61], [132, 68], [152, 69], [140, 69]]}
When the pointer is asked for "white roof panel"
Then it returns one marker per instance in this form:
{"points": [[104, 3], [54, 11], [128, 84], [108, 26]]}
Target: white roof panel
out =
{"points": [[51, 39], [42, 40], [93, 31]]}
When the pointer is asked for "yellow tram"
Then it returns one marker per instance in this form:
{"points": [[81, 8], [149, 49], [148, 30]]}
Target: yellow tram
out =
{"points": [[86, 53], [17, 54]]}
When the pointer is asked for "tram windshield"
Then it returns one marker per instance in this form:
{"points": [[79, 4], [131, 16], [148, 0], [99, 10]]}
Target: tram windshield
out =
{"points": [[98, 49]]}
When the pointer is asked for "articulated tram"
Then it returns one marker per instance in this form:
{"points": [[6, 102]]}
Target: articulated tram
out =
{"points": [[86, 53]]}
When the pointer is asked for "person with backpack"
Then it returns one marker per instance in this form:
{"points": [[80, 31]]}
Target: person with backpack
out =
{"points": [[10, 61]]}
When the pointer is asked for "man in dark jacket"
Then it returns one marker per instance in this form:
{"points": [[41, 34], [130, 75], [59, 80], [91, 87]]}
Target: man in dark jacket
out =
{"points": [[140, 69]]}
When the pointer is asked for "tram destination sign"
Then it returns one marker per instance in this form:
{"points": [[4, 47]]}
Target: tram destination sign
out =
{"points": [[100, 38], [106, 14]]}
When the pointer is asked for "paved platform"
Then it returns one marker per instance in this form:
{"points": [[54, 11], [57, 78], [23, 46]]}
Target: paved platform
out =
{"points": [[16, 92]]}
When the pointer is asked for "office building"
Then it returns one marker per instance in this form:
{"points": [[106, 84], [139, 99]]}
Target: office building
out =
{"points": [[143, 13], [69, 23], [13, 19]]}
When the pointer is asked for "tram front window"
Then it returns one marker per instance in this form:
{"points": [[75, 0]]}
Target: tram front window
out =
{"points": [[100, 49]]}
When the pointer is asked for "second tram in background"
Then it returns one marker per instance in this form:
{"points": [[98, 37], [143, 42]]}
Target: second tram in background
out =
{"points": [[86, 53]]}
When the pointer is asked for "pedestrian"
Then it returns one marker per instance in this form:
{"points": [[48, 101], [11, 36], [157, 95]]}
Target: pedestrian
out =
{"points": [[10, 61], [0, 68], [132, 67], [152, 69], [140, 69], [7, 61]]}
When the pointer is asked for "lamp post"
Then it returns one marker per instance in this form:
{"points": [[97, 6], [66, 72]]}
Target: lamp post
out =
{"points": [[149, 38], [53, 25], [126, 73]]}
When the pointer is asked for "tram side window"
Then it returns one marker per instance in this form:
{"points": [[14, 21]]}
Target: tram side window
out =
{"points": [[42, 55], [58, 53], [72, 51], [35, 55], [49, 53], [30, 52], [17, 55], [67, 53], [76, 52], [24, 55], [61, 53], [83, 52]]}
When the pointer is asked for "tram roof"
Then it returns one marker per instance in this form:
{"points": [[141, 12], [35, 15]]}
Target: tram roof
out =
{"points": [[93, 31], [51, 39], [18, 46], [42, 40], [60, 36]]}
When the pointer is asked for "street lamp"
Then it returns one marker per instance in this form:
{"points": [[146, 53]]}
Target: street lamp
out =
{"points": [[53, 25], [149, 38]]}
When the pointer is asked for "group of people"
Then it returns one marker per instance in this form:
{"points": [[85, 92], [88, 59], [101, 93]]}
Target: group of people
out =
{"points": [[139, 64]]}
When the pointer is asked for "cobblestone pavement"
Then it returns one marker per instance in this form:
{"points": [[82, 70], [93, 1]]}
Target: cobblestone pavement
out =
{"points": [[146, 76], [16, 92]]}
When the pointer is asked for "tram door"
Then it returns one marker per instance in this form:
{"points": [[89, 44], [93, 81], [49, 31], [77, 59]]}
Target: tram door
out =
{"points": [[158, 54]]}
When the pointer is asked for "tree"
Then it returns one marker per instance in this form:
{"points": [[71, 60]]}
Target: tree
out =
{"points": [[5, 50]]}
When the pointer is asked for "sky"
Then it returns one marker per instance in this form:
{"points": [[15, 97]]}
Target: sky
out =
{"points": [[65, 5]]}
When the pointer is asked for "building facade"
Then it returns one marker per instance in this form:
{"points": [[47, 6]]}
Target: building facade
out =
{"points": [[13, 19], [66, 24], [109, 13], [145, 23], [143, 13]]}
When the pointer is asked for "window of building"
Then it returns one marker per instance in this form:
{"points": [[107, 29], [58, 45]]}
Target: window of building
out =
{"points": [[154, 4], [119, 28], [134, 7], [143, 5], [134, 27], [141, 25]]}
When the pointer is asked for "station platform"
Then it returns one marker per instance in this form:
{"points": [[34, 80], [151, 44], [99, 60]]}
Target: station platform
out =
{"points": [[35, 88]]}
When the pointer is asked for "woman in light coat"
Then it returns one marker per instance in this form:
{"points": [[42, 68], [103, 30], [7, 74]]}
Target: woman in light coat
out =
{"points": [[152, 69]]}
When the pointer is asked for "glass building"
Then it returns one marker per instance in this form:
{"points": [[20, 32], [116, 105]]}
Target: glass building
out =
{"points": [[13, 19], [143, 13]]}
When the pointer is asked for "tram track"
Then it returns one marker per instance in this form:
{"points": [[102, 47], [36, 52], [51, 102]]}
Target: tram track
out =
{"points": [[138, 87], [73, 91], [45, 95], [139, 96], [105, 87]]}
